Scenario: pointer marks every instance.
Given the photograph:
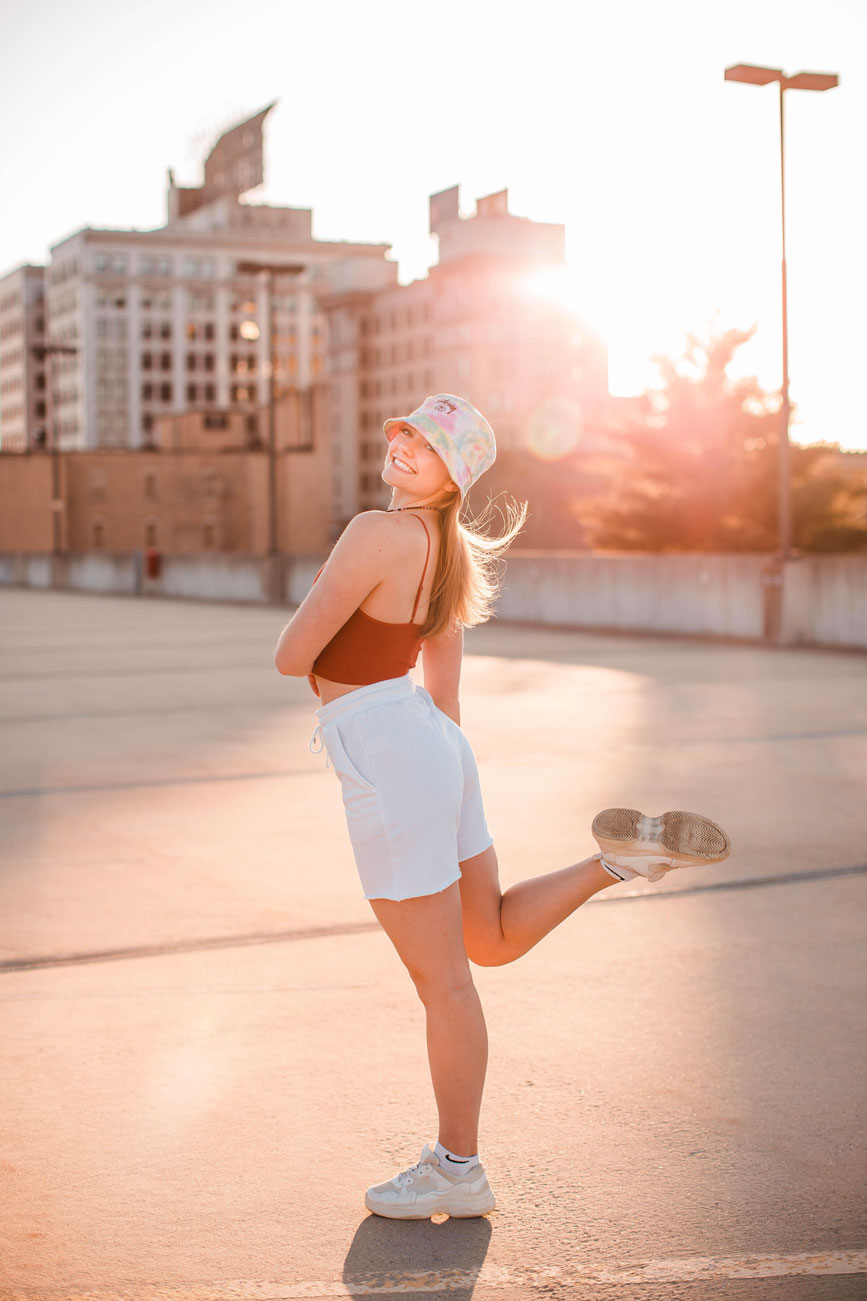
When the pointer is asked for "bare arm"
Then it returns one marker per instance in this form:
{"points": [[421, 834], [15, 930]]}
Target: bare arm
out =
{"points": [[355, 567], [441, 658]]}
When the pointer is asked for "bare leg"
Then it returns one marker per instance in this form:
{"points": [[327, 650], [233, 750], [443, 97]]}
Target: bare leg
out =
{"points": [[427, 934], [501, 927]]}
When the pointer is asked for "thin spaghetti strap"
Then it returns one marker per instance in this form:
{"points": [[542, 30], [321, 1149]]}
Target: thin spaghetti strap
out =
{"points": [[424, 571]]}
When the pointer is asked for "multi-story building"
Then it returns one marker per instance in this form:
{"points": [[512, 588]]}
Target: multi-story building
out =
{"points": [[475, 325], [169, 320], [232, 324], [176, 319], [23, 384]]}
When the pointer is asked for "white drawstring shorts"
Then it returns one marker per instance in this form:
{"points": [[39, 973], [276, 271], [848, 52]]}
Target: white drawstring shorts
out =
{"points": [[410, 785]]}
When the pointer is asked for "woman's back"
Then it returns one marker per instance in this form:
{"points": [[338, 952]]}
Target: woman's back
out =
{"points": [[392, 601], [381, 639]]}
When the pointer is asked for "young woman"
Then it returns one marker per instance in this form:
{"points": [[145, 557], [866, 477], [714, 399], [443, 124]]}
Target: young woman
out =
{"points": [[398, 581]]}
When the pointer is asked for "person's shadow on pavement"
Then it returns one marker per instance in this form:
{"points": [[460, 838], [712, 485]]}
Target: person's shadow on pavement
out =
{"points": [[398, 1253]]}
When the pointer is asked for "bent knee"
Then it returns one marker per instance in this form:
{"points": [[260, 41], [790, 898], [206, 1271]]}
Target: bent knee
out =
{"points": [[488, 954], [435, 986]]}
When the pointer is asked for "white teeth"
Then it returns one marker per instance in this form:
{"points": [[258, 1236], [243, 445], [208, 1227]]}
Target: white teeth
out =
{"points": [[402, 465]]}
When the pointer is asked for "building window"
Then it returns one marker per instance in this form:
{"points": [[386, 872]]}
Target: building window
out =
{"points": [[164, 266], [165, 361], [97, 534], [191, 392], [150, 485], [209, 330], [165, 329], [209, 535], [151, 534], [147, 391], [191, 361], [166, 392], [210, 393], [217, 420]]}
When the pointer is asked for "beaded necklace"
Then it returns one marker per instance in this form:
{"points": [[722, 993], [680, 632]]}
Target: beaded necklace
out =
{"points": [[398, 508]]}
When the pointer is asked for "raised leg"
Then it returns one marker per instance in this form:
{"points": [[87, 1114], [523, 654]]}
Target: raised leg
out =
{"points": [[500, 927]]}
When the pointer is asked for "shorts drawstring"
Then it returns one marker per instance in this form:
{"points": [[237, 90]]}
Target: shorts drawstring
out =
{"points": [[317, 749]]}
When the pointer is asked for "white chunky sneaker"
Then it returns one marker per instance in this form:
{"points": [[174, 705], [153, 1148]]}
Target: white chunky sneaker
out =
{"points": [[426, 1189], [634, 844]]}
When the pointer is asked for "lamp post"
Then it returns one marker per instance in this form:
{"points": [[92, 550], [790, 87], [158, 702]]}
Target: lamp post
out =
{"points": [[271, 269], [47, 352], [758, 76]]}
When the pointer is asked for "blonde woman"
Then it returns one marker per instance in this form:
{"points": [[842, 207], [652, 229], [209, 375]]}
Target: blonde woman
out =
{"points": [[397, 582]]}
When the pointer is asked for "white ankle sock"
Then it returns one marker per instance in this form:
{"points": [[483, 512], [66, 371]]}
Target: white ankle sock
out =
{"points": [[619, 873], [451, 1161]]}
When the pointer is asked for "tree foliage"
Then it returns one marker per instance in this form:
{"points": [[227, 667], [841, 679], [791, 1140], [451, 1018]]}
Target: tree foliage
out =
{"points": [[701, 469]]}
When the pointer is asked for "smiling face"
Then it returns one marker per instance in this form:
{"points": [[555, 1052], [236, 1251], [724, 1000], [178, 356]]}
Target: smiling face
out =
{"points": [[415, 471]]}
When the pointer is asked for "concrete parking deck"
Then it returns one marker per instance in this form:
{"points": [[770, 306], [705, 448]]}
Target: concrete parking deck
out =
{"points": [[210, 1049]]}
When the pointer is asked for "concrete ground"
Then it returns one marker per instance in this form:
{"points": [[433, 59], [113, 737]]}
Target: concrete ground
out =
{"points": [[209, 1049]]}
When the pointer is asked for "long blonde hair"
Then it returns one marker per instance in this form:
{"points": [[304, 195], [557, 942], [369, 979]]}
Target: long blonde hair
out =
{"points": [[468, 579]]}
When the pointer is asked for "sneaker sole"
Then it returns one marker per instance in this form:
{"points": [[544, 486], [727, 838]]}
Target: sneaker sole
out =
{"points": [[688, 837], [462, 1210]]}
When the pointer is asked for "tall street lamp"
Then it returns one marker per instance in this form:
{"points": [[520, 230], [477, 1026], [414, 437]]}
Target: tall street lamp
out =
{"points": [[47, 352], [253, 267], [757, 76]]}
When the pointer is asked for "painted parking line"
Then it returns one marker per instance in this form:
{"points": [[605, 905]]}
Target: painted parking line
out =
{"points": [[685, 1270], [208, 942]]}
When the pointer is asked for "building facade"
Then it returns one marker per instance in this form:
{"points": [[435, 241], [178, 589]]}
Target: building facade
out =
{"points": [[231, 330], [175, 320], [23, 364], [476, 325]]}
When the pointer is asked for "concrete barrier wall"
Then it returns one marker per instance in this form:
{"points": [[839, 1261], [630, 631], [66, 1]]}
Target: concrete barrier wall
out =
{"points": [[96, 572], [213, 578], [25, 571], [816, 600], [824, 600], [715, 595]]}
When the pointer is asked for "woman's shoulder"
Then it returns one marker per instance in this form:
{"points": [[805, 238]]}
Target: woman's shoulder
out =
{"points": [[391, 524]]}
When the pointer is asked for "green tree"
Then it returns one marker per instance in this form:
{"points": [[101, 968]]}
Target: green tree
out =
{"points": [[701, 471]]}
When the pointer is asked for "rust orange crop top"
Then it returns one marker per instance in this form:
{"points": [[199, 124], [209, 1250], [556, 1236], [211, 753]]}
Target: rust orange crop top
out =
{"points": [[367, 650]]}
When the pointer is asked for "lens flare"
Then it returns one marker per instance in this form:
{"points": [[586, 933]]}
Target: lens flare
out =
{"points": [[554, 429]]}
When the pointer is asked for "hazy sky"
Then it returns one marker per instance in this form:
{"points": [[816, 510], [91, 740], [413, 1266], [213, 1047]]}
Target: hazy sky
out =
{"points": [[612, 117]]}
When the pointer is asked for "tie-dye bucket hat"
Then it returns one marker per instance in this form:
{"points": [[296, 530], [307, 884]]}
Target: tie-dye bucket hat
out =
{"points": [[457, 431]]}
